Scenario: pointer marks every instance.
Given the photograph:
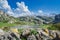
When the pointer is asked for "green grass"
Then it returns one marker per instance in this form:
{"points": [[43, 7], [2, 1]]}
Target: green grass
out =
{"points": [[26, 23], [7, 24], [2, 24], [44, 26], [55, 27]]}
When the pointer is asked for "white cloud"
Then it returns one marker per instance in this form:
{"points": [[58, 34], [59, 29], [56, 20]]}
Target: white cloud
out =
{"points": [[4, 6], [22, 6], [21, 9], [40, 11]]}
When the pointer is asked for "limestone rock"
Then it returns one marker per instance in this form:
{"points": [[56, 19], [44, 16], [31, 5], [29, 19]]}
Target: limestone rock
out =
{"points": [[31, 37], [38, 37], [26, 32], [1, 32]]}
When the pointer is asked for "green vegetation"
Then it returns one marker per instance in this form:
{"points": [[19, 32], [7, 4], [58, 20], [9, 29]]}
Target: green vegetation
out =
{"points": [[7, 24], [55, 26], [25, 23], [51, 26], [45, 26]]}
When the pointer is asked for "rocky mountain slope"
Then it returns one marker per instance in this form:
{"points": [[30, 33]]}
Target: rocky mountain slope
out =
{"points": [[37, 19], [4, 17], [57, 19]]}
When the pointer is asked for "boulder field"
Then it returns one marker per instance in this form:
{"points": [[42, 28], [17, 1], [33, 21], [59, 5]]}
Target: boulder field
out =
{"points": [[29, 34]]}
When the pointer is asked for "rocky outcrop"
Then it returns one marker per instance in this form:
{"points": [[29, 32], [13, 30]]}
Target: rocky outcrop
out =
{"points": [[30, 34]]}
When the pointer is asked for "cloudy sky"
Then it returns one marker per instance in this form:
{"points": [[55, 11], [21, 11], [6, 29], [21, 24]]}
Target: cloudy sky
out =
{"points": [[30, 7]]}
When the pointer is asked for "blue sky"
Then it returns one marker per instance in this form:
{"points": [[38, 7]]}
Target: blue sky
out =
{"points": [[33, 5], [30, 7]]}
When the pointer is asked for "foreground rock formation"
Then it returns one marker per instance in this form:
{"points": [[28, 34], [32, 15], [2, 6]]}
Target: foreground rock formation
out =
{"points": [[29, 34]]}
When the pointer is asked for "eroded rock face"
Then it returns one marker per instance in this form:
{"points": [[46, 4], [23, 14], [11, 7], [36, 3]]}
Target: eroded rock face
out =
{"points": [[43, 34]]}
